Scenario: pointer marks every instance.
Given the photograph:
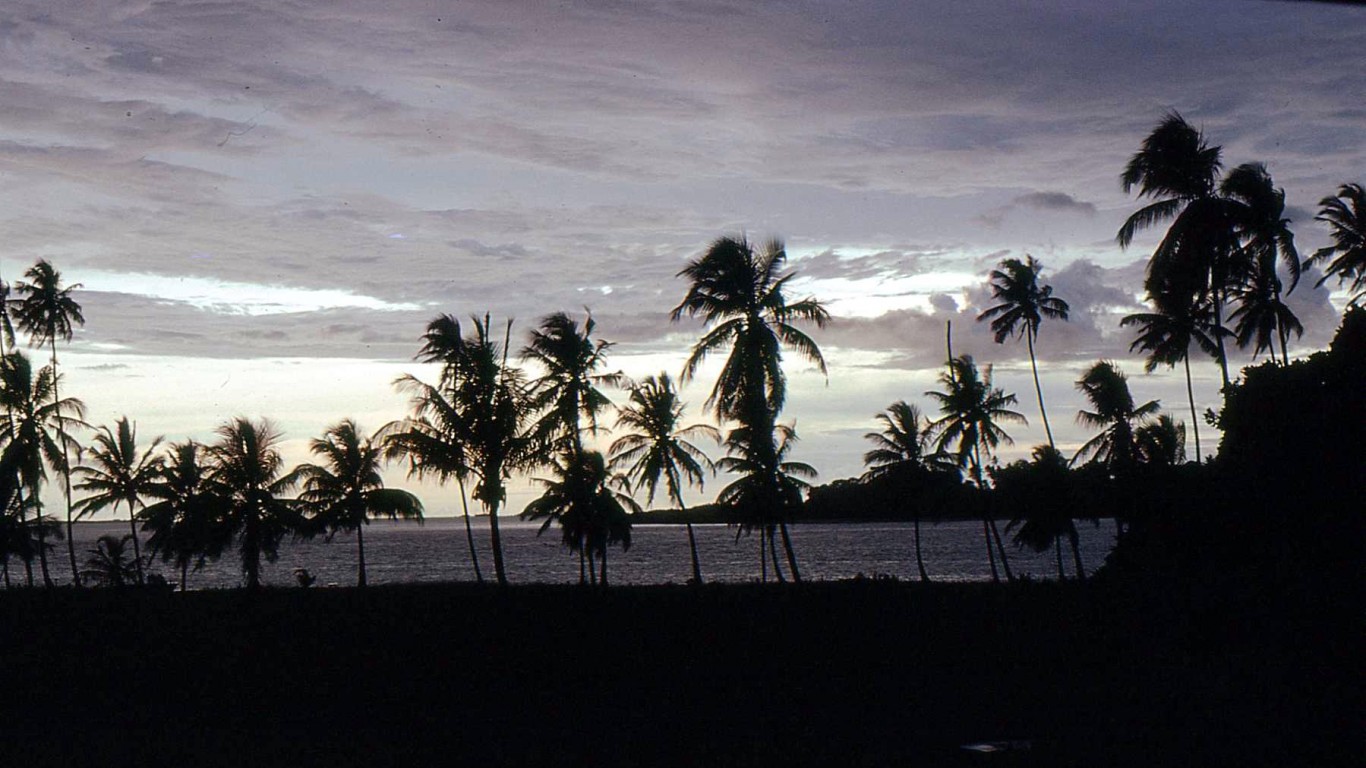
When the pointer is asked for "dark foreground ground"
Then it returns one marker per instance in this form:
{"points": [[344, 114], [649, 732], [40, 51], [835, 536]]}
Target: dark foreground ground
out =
{"points": [[854, 673]]}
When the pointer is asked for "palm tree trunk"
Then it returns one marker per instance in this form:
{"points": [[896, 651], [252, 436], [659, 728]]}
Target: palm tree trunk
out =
{"points": [[603, 580], [583, 564], [1219, 337], [696, 564], [469, 531], [773, 554], [990, 521], [42, 538], [986, 516], [763, 557], [23, 524], [1001, 550], [1057, 550], [592, 568], [137, 551], [791, 555], [360, 554], [251, 553], [1038, 390], [919, 561], [497, 541], [1285, 357], [991, 556], [184, 574], [1076, 555], [66, 475], [1195, 421]]}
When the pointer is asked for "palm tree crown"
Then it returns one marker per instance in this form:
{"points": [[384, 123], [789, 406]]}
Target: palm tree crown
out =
{"points": [[971, 408], [568, 392], [247, 472], [188, 522], [899, 444], [1107, 390], [1345, 259]]}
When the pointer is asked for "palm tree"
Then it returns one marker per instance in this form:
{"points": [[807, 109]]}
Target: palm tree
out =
{"points": [[568, 392], [1345, 259], [347, 490], [659, 449], [1162, 442], [1261, 317], [482, 404], [1179, 171], [764, 494], [1107, 390], [188, 522], [107, 565], [1265, 237], [35, 433], [118, 475], [972, 409], [592, 515], [246, 471], [45, 313], [897, 452], [1045, 517], [740, 292], [1024, 305], [1167, 334]]}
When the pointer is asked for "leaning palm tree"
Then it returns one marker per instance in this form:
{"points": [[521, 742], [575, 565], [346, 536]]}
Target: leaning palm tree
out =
{"points": [[592, 514], [658, 448], [1107, 391], [35, 433], [483, 406], [1024, 305], [970, 429], [344, 492], [1167, 334], [740, 292], [568, 393], [1262, 316], [187, 523], [1345, 259], [107, 565], [117, 475], [1264, 238], [47, 312], [247, 473], [897, 451]]}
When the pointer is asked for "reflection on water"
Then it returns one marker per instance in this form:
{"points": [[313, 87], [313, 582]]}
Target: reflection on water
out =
{"points": [[403, 552]]}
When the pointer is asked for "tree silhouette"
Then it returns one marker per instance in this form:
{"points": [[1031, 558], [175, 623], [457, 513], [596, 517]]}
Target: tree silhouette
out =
{"points": [[659, 449], [117, 475], [47, 312], [762, 495], [592, 515], [897, 452], [1167, 334], [740, 292], [188, 522], [1024, 305], [1265, 238], [482, 404], [1107, 390], [346, 490], [971, 409], [1040, 493], [568, 393], [35, 432], [107, 565], [247, 473], [1162, 442], [1345, 259]]}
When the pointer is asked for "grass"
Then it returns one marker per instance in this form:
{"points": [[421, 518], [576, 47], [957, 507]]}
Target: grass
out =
{"points": [[849, 673]]}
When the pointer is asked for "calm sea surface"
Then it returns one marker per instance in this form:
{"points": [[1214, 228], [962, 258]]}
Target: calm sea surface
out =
{"points": [[405, 552]]}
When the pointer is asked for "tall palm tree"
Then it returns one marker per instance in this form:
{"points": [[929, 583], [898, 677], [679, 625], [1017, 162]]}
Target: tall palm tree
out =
{"points": [[1179, 172], [47, 312], [344, 492], [1107, 391], [972, 412], [740, 292], [1264, 236], [1167, 334], [1345, 259], [246, 471], [898, 450], [187, 523], [592, 515], [568, 392], [658, 448], [117, 475], [482, 403], [1024, 305], [1262, 317], [35, 432]]}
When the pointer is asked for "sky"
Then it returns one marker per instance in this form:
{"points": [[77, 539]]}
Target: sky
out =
{"points": [[265, 202]]}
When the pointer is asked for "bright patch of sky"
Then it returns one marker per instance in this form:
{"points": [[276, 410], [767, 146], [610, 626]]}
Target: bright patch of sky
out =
{"points": [[228, 297]]}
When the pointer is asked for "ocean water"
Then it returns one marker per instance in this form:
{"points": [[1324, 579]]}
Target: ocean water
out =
{"points": [[406, 552]]}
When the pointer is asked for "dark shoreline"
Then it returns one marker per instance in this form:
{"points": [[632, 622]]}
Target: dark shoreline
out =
{"points": [[843, 673]]}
